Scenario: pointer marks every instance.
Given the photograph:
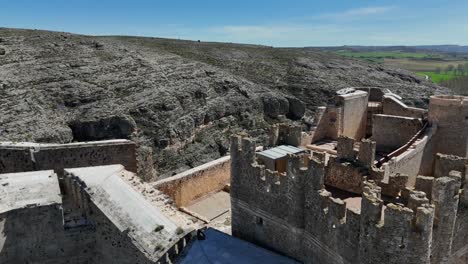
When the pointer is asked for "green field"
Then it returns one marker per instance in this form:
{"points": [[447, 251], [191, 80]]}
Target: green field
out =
{"points": [[439, 77], [444, 69], [380, 56]]}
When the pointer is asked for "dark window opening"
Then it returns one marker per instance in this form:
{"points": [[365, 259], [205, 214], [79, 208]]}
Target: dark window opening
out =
{"points": [[258, 220]]}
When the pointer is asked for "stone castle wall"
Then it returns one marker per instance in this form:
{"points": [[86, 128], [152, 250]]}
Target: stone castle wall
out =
{"points": [[418, 159], [392, 132], [450, 114], [353, 114], [294, 214], [393, 106], [46, 241], [19, 157], [189, 185]]}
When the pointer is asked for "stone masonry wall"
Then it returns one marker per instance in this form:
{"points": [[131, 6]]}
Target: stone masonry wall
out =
{"points": [[30, 157], [354, 114], [418, 159], [327, 122], [393, 106], [292, 213], [392, 132], [460, 240], [450, 115], [444, 164], [36, 235], [187, 186]]}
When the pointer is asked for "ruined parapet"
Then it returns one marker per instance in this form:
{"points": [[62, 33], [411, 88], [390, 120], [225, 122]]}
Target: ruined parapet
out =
{"points": [[399, 234], [446, 163], [294, 214], [366, 156], [344, 171], [345, 175], [345, 148], [327, 123], [450, 114], [27, 156], [186, 187], [425, 184], [126, 224], [353, 112], [346, 117], [464, 193], [285, 134], [145, 164], [395, 186], [391, 132], [242, 157], [375, 93], [333, 226], [417, 199], [414, 158], [445, 197], [75, 190], [371, 213], [297, 176], [394, 106]]}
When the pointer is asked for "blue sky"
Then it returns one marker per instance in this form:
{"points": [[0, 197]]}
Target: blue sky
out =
{"points": [[276, 23]]}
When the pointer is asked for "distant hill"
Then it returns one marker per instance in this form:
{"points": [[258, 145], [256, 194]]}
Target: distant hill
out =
{"points": [[185, 98], [422, 48], [446, 48]]}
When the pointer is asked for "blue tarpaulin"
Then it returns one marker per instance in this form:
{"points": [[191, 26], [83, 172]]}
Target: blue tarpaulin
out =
{"points": [[220, 248]]}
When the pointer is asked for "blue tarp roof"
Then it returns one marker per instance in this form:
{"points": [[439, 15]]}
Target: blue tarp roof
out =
{"points": [[220, 248]]}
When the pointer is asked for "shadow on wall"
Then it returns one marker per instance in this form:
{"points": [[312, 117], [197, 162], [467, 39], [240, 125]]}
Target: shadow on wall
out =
{"points": [[115, 127], [43, 240]]}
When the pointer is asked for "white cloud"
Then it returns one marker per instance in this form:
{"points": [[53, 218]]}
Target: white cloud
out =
{"points": [[277, 35], [359, 12]]}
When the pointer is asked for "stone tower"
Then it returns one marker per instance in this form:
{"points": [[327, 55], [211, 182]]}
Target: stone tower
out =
{"points": [[450, 114]]}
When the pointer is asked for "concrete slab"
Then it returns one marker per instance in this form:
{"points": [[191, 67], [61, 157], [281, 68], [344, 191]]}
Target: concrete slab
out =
{"points": [[212, 206], [36, 188]]}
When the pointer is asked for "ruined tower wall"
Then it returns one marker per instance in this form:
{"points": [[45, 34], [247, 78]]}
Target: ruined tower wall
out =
{"points": [[444, 164], [375, 93], [292, 213], [344, 175], [450, 114], [445, 197], [353, 114], [112, 243], [189, 185], [285, 134], [397, 234], [459, 243], [30, 156], [46, 241], [327, 123], [271, 209], [392, 132], [416, 160], [15, 160], [393, 106], [111, 240]]}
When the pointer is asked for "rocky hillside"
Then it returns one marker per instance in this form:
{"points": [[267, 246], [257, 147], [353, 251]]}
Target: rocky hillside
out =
{"points": [[183, 98]]}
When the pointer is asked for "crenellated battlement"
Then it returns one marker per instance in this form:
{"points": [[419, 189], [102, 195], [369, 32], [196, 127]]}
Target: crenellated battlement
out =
{"points": [[285, 134], [358, 228], [358, 194]]}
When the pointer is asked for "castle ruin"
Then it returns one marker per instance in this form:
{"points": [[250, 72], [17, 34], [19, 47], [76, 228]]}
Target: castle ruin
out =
{"points": [[70, 203], [371, 180], [378, 182]]}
